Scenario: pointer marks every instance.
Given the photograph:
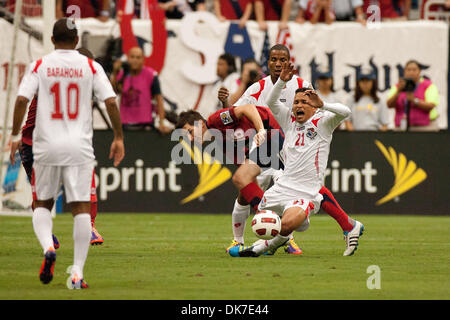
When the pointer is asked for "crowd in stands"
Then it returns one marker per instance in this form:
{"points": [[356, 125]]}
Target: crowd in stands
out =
{"points": [[414, 98]]}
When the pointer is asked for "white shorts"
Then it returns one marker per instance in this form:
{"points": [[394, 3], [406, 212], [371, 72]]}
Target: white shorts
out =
{"points": [[77, 180], [266, 176], [277, 202]]}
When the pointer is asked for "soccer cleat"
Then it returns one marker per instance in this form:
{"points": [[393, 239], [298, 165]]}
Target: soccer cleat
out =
{"points": [[96, 238], [242, 251], [352, 238], [78, 283], [46, 273], [234, 243], [56, 244], [292, 248]]}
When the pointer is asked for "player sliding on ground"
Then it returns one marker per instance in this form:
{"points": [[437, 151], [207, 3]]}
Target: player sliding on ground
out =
{"points": [[26, 155], [65, 82], [308, 126], [258, 94], [240, 122]]}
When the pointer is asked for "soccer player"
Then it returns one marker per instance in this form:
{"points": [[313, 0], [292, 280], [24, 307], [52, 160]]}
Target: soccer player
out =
{"points": [[26, 155], [295, 194], [65, 82], [242, 120], [258, 94]]}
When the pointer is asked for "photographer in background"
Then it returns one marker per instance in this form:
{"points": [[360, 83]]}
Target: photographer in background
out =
{"points": [[251, 73], [138, 85], [415, 99], [227, 76]]}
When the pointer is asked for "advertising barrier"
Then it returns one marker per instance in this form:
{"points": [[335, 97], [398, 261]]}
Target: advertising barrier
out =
{"points": [[375, 173]]}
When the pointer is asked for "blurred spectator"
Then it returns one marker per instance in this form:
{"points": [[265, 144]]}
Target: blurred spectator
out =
{"points": [[30, 8], [368, 112], [226, 71], [324, 86], [390, 9], [348, 10], [88, 9], [435, 8], [415, 99], [138, 85], [251, 73], [234, 10], [176, 9], [316, 11], [272, 10]]}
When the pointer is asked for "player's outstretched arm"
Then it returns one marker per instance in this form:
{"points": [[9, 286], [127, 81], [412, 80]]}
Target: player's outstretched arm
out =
{"points": [[19, 112], [251, 113], [117, 151], [339, 113]]}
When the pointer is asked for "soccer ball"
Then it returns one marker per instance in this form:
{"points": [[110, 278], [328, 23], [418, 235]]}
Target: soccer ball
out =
{"points": [[266, 224]]}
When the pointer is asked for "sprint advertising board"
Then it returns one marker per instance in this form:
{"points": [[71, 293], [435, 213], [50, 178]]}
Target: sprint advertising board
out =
{"points": [[385, 173]]}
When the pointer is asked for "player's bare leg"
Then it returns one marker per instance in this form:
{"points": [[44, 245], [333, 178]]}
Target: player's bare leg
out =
{"points": [[42, 225], [81, 236]]}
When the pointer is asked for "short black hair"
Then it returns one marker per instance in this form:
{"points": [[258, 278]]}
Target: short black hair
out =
{"points": [[188, 117], [65, 31], [280, 47], [303, 89], [86, 52]]}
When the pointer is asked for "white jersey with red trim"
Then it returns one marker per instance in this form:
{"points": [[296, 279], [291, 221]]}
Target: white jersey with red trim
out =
{"points": [[306, 146], [65, 82], [258, 93]]}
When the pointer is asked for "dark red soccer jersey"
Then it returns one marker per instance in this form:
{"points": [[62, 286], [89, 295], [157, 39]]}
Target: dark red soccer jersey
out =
{"points": [[238, 129], [272, 9], [27, 130]]}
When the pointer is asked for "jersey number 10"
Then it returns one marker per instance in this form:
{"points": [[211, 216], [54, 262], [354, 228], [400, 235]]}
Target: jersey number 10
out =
{"points": [[72, 89]]}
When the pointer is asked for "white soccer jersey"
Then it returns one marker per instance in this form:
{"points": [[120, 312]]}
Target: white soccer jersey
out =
{"points": [[258, 93], [306, 146], [65, 82]]}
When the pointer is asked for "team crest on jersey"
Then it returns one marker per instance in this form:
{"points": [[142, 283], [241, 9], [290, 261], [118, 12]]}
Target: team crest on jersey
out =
{"points": [[226, 117], [311, 133]]}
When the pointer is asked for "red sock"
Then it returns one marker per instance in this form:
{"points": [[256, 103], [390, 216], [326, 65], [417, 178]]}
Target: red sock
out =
{"points": [[253, 194], [93, 213], [332, 208]]}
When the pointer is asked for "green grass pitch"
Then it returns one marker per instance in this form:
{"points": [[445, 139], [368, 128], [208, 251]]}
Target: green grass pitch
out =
{"points": [[181, 256]]}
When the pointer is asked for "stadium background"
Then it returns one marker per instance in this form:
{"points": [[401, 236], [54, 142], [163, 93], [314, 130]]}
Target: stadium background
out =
{"points": [[186, 60]]}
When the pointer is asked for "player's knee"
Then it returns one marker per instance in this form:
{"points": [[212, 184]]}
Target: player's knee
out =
{"points": [[239, 180], [303, 227]]}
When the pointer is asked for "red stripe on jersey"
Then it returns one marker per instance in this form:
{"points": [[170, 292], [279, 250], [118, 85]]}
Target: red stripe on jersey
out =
{"points": [[317, 161], [300, 82], [36, 67], [91, 64], [261, 88], [314, 121]]}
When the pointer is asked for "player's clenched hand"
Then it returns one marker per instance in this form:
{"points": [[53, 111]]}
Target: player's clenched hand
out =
{"points": [[260, 137], [287, 71], [117, 151], [14, 147], [314, 99], [223, 94]]}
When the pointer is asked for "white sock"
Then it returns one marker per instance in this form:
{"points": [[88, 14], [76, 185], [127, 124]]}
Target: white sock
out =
{"points": [[238, 218], [42, 225], [81, 239], [270, 244], [291, 236]]}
